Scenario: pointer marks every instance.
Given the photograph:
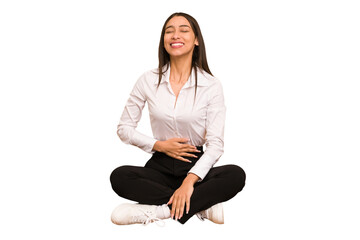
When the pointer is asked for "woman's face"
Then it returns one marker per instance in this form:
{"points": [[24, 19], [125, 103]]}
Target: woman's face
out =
{"points": [[179, 38]]}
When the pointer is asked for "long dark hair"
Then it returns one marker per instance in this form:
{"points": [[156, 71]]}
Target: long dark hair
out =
{"points": [[199, 54]]}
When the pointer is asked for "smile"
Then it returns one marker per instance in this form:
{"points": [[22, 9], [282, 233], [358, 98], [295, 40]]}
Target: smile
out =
{"points": [[175, 45]]}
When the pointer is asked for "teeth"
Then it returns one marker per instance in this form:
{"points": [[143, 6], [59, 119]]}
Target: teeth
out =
{"points": [[177, 44]]}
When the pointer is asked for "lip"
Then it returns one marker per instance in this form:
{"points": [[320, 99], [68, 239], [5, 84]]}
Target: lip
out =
{"points": [[177, 44]]}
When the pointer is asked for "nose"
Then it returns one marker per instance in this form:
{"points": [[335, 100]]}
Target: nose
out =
{"points": [[175, 35]]}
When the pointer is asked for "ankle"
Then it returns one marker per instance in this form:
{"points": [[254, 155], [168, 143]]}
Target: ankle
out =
{"points": [[163, 211]]}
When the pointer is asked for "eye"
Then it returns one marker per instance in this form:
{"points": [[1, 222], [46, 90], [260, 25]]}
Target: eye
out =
{"points": [[184, 29], [169, 31]]}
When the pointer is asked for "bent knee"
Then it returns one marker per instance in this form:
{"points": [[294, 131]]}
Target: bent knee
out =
{"points": [[119, 177], [238, 175], [120, 173]]}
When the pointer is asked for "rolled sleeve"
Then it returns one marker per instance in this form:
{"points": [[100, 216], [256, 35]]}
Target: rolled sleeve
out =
{"points": [[215, 124]]}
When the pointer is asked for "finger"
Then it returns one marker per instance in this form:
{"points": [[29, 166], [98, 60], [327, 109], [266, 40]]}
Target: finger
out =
{"points": [[172, 213], [187, 205], [171, 199], [189, 148], [189, 155], [181, 140], [179, 208], [177, 156], [182, 206], [183, 159], [175, 210]]}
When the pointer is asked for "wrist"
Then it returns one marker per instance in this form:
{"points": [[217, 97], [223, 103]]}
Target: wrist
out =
{"points": [[191, 179], [158, 146]]}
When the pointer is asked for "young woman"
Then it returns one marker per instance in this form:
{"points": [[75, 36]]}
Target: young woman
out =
{"points": [[186, 107]]}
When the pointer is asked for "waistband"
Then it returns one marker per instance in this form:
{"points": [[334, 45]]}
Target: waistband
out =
{"points": [[172, 166], [200, 148]]}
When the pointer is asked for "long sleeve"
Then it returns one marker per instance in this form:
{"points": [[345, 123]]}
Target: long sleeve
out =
{"points": [[215, 123], [130, 117]]}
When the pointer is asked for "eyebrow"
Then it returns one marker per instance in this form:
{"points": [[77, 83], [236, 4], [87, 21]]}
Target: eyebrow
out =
{"points": [[171, 26]]}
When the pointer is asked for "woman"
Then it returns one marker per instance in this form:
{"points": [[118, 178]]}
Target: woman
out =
{"points": [[187, 110]]}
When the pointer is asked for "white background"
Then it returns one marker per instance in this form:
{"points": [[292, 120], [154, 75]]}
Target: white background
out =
{"points": [[290, 71]]}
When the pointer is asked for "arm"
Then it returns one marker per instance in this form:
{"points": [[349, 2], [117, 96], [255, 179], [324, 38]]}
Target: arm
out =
{"points": [[130, 117], [215, 124], [182, 195]]}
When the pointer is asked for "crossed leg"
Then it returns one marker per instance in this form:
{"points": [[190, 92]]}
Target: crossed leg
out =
{"points": [[149, 186]]}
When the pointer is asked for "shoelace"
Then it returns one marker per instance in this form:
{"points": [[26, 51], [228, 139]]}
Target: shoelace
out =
{"points": [[149, 219], [201, 215]]}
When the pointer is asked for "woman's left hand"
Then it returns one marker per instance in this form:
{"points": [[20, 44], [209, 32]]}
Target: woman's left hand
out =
{"points": [[181, 197]]}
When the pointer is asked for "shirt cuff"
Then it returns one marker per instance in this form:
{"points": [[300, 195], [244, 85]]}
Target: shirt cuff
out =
{"points": [[144, 142], [202, 166]]}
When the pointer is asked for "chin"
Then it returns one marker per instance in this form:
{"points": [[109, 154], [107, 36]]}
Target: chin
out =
{"points": [[179, 54]]}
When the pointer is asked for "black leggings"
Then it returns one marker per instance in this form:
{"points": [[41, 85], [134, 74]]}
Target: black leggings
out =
{"points": [[155, 183]]}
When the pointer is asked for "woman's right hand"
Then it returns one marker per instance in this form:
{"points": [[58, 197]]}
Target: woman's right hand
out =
{"points": [[176, 148]]}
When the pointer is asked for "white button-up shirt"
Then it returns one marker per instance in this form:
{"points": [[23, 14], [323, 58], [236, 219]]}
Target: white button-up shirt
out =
{"points": [[201, 121]]}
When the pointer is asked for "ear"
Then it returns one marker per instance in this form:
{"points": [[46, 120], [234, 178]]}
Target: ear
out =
{"points": [[196, 42]]}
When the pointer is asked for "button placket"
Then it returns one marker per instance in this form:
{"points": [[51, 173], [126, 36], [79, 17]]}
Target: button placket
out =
{"points": [[175, 114]]}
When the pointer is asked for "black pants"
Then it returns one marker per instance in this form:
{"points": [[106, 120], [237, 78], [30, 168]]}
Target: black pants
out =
{"points": [[155, 183]]}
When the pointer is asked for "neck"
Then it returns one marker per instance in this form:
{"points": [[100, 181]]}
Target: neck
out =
{"points": [[180, 69]]}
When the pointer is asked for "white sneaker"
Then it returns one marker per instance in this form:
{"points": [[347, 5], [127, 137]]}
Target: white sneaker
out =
{"points": [[128, 213], [214, 214]]}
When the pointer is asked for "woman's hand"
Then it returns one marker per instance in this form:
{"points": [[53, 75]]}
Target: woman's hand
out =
{"points": [[176, 148], [182, 195]]}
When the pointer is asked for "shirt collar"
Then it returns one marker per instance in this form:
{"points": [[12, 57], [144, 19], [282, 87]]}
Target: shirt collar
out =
{"points": [[202, 78]]}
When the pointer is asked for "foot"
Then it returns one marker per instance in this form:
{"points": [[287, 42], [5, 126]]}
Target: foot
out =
{"points": [[214, 214], [127, 213]]}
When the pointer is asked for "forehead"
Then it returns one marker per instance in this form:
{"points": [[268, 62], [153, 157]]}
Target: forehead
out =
{"points": [[178, 21]]}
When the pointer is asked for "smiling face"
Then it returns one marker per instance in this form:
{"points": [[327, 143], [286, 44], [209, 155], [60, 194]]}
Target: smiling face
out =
{"points": [[179, 37]]}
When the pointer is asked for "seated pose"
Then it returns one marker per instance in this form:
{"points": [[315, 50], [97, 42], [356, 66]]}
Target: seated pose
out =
{"points": [[187, 111]]}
